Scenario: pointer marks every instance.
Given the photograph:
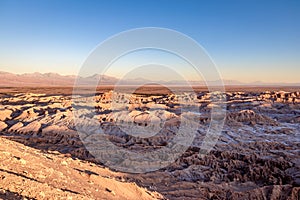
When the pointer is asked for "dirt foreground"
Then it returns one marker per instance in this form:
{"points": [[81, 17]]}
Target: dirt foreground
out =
{"points": [[27, 173]]}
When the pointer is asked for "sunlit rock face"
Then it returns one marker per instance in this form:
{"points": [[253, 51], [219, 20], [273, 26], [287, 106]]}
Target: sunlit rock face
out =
{"points": [[256, 156]]}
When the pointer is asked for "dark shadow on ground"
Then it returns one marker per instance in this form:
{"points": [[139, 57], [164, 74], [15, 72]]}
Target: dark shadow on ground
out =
{"points": [[8, 195]]}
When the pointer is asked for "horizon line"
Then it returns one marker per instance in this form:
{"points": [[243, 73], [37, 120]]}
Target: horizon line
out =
{"points": [[240, 82]]}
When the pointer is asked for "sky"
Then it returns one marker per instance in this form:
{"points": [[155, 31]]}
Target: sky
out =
{"points": [[248, 40]]}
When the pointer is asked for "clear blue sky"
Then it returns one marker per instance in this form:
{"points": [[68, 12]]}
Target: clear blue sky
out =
{"points": [[248, 40]]}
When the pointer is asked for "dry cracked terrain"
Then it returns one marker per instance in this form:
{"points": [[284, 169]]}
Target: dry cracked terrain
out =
{"points": [[257, 155]]}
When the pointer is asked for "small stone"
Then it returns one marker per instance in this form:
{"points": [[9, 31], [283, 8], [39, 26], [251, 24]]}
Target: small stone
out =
{"points": [[111, 191], [42, 194], [64, 163], [23, 162]]}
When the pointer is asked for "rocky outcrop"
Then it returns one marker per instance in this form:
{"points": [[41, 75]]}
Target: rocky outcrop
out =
{"points": [[250, 117]]}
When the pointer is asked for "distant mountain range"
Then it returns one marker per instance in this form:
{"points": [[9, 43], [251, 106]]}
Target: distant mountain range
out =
{"points": [[54, 79], [50, 79]]}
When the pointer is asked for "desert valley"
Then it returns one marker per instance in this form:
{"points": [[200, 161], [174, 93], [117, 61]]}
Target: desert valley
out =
{"points": [[149, 100], [257, 155]]}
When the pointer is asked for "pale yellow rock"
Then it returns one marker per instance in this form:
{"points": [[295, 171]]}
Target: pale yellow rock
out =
{"points": [[3, 125], [5, 114]]}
